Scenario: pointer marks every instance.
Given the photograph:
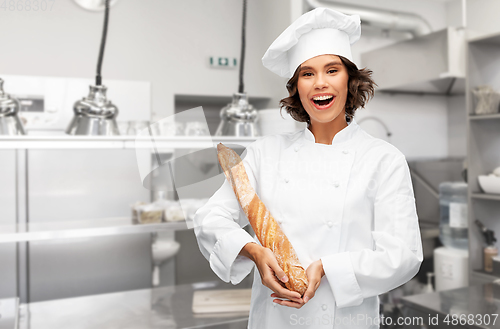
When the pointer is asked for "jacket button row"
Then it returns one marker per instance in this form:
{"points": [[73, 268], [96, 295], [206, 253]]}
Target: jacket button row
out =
{"points": [[297, 148], [336, 184], [345, 152], [330, 224], [324, 307], [286, 180]]}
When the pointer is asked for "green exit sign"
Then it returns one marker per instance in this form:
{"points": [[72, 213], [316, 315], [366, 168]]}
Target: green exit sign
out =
{"points": [[223, 62]]}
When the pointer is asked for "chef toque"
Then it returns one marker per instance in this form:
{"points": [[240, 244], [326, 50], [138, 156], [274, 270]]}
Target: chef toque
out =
{"points": [[318, 32]]}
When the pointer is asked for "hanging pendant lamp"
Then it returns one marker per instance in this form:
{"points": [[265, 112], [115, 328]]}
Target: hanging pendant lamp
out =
{"points": [[94, 5], [95, 114], [9, 120], [239, 118]]}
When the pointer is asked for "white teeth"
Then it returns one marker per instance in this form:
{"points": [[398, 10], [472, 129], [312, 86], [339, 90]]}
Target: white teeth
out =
{"points": [[322, 98]]}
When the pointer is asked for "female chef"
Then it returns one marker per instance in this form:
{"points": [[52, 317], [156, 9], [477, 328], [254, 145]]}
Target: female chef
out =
{"points": [[343, 198]]}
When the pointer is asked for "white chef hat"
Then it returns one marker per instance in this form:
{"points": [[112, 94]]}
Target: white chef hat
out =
{"points": [[317, 32]]}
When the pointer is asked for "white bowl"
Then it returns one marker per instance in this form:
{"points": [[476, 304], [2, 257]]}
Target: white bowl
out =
{"points": [[163, 250], [489, 183]]}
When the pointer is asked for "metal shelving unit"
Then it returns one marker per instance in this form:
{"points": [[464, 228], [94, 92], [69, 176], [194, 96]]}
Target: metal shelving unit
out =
{"points": [[483, 143], [27, 235]]}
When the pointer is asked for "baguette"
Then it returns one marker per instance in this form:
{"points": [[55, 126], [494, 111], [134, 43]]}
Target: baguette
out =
{"points": [[264, 225]]}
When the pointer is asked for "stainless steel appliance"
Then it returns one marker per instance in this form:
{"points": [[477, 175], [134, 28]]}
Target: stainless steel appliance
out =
{"points": [[94, 115], [238, 118], [9, 121]]}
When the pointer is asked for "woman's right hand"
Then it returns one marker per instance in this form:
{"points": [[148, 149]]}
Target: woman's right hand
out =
{"points": [[269, 270]]}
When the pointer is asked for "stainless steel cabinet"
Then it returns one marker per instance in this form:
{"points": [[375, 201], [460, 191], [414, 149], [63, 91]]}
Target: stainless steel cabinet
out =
{"points": [[483, 138]]}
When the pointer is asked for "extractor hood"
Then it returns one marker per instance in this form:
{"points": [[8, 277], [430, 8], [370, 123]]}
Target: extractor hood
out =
{"points": [[432, 64]]}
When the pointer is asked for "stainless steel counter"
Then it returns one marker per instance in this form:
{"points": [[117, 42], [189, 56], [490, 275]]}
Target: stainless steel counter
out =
{"points": [[165, 308], [474, 303]]}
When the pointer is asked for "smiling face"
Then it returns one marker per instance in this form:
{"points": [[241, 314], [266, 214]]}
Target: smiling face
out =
{"points": [[323, 88]]}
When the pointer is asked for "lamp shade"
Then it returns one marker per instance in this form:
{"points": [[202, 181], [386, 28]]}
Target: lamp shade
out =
{"points": [[94, 115], [238, 118], [9, 120]]}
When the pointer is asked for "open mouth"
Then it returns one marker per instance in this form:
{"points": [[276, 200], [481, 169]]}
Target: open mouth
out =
{"points": [[322, 102]]}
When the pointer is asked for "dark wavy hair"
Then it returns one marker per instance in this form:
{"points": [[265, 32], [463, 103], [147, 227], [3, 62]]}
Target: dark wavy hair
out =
{"points": [[360, 89]]}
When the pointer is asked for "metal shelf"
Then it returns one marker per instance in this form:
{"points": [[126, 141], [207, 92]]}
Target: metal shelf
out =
{"points": [[485, 196], [82, 228], [488, 275], [164, 143], [492, 38], [484, 116], [480, 276]]}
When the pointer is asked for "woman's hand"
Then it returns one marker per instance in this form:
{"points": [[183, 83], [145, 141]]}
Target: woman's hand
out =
{"points": [[269, 270], [314, 274]]}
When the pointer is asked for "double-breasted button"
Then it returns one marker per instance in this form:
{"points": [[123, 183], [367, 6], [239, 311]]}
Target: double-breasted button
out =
{"points": [[336, 184], [329, 223], [279, 220], [345, 151], [286, 180], [297, 148], [324, 307]]}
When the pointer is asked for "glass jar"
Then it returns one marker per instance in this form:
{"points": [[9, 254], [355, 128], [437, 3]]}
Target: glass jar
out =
{"points": [[138, 128], [453, 226], [171, 128], [196, 128]]}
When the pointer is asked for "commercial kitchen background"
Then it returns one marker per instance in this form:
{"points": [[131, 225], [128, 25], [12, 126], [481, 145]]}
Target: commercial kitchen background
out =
{"points": [[163, 47]]}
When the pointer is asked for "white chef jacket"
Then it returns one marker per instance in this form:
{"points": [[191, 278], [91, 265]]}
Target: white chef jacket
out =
{"points": [[350, 204]]}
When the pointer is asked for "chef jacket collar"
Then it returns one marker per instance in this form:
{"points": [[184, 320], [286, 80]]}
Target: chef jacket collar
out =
{"points": [[342, 138]]}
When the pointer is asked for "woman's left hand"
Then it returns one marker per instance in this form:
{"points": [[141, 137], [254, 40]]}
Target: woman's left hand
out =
{"points": [[314, 274]]}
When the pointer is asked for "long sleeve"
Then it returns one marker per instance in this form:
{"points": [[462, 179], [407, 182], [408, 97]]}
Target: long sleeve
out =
{"points": [[397, 253], [218, 228]]}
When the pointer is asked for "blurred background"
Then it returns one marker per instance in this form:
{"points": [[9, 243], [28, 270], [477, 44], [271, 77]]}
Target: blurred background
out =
{"points": [[90, 237]]}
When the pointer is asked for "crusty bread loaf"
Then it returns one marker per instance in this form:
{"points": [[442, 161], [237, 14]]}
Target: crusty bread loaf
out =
{"points": [[265, 227]]}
